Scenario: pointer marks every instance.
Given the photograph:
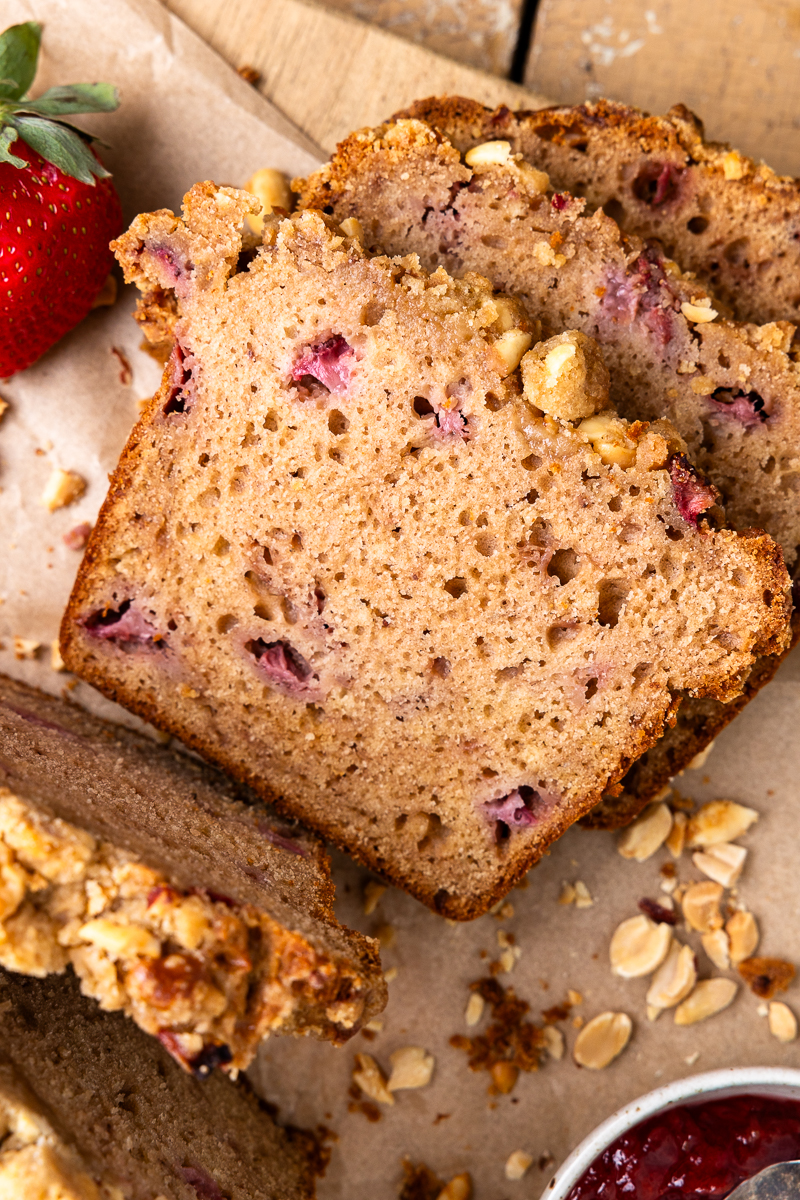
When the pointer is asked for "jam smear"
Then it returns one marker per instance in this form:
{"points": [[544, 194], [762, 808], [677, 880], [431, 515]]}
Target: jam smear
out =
{"points": [[702, 1151]]}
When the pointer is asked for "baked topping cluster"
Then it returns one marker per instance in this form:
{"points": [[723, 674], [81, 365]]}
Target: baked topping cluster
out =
{"points": [[208, 976]]}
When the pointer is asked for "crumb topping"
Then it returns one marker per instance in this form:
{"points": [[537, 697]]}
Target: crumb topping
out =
{"points": [[208, 976]]}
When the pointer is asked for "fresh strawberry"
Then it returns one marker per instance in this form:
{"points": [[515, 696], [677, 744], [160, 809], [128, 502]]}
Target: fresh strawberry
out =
{"points": [[58, 206]]}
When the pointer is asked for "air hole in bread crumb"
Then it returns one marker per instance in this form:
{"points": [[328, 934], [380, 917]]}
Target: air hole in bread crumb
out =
{"points": [[441, 667], [564, 565], [440, 900], [591, 688], [422, 407], [531, 463], [612, 596], [674, 535], [614, 208], [493, 403], [290, 613], [400, 821], [532, 496], [271, 422], [615, 503], [338, 423], [723, 360], [565, 632], [464, 518], [209, 498], [456, 587], [482, 521], [486, 545], [697, 225], [640, 672], [262, 612], [227, 622], [221, 546], [768, 598]]}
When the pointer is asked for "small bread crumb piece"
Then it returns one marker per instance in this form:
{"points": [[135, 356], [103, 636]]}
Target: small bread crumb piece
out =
{"points": [[583, 897], [474, 1011], [372, 894], [26, 648], [61, 489], [370, 1078], [56, 661], [517, 1164], [458, 1188], [412, 1067]]}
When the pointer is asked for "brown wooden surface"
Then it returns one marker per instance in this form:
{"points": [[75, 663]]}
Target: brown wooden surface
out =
{"points": [[735, 62], [331, 73], [478, 33]]}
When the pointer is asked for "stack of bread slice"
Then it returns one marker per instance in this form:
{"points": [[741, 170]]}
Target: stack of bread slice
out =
{"points": [[391, 553]]}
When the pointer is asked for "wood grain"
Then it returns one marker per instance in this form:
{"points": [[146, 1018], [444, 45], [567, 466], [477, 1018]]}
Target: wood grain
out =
{"points": [[331, 73], [735, 62]]}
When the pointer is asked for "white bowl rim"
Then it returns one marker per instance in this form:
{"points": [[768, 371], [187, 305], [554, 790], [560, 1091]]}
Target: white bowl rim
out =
{"points": [[774, 1081]]}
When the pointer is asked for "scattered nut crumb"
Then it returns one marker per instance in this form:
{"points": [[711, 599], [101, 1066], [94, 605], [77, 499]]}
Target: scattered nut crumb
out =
{"points": [[26, 648], [567, 894], [677, 834], [646, 834], [742, 931], [370, 1078], [474, 1011], [517, 1164], [56, 661], [375, 1025], [458, 1188], [638, 946], [674, 979], [719, 821], [700, 905], [602, 1039], [249, 75], [386, 935], [61, 489], [509, 1044], [766, 976], [372, 894], [691, 1059], [709, 997], [718, 948], [554, 1041], [782, 1021], [583, 898], [503, 912], [412, 1067], [574, 998], [722, 862], [390, 974]]}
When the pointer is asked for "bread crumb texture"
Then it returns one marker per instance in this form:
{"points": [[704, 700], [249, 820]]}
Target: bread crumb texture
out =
{"points": [[34, 1160], [209, 977], [349, 558]]}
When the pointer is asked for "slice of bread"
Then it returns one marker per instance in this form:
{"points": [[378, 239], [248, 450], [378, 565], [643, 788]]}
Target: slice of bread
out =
{"points": [[346, 556], [733, 390], [206, 919], [731, 220], [93, 1109]]}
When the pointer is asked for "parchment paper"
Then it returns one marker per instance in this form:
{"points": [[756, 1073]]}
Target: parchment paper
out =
{"points": [[186, 116]]}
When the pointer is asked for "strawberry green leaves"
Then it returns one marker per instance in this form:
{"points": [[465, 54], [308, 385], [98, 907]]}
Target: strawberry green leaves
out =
{"points": [[19, 51], [35, 121]]}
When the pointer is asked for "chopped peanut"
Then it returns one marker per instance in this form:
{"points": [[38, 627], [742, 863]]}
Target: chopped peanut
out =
{"points": [[61, 489]]}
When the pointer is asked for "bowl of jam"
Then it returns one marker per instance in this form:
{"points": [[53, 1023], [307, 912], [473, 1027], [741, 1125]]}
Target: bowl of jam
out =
{"points": [[698, 1137]]}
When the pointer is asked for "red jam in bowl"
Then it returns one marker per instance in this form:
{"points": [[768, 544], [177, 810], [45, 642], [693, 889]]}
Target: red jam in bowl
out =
{"points": [[696, 1150]]}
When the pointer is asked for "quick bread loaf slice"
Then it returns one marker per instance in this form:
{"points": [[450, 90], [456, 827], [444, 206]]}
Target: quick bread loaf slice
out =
{"points": [[207, 920], [93, 1109], [348, 559], [731, 220], [733, 390]]}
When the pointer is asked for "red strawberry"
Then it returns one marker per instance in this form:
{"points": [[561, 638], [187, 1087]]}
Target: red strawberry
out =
{"points": [[58, 206]]}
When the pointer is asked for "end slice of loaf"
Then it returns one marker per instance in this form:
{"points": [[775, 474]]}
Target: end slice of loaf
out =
{"points": [[347, 557], [93, 1109], [731, 220], [732, 389], [206, 919]]}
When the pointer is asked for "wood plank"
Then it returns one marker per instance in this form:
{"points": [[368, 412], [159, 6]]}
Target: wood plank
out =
{"points": [[331, 73], [481, 33], [734, 62]]}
